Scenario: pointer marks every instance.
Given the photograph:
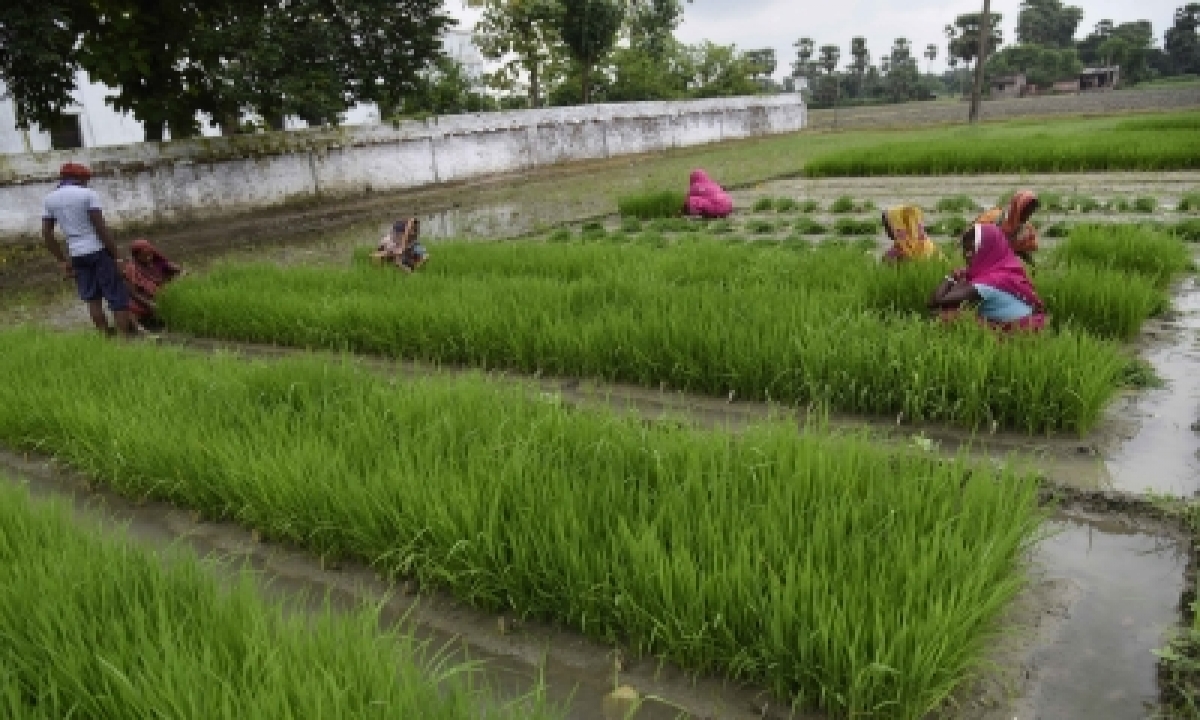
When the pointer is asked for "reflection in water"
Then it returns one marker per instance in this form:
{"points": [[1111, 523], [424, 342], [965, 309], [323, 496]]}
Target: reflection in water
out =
{"points": [[1162, 455], [1129, 582]]}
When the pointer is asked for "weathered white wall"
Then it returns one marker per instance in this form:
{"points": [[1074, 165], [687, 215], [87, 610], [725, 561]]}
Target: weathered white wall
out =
{"points": [[210, 177]]}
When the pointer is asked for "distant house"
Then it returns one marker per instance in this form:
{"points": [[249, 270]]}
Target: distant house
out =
{"points": [[1100, 78], [1067, 86], [1010, 86]]}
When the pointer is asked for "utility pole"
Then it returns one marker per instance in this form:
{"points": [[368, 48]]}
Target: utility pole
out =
{"points": [[985, 31]]}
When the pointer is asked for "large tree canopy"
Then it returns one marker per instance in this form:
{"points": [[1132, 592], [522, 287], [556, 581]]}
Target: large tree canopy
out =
{"points": [[38, 59], [1048, 23], [589, 29], [1182, 39]]}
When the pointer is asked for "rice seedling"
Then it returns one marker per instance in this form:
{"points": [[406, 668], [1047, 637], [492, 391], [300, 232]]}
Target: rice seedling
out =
{"points": [[1173, 149], [1082, 204], [1187, 231], [785, 333], [1158, 256], [1189, 203], [1057, 230], [853, 226], [844, 204], [1119, 205], [652, 204], [802, 562], [784, 204], [760, 227], [1049, 202], [97, 627], [1164, 121], [953, 226], [593, 231], [763, 204], [956, 204], [1145, 205], [631, 225], [808, 206], [720, 227], [561, 235], [808, 226]]}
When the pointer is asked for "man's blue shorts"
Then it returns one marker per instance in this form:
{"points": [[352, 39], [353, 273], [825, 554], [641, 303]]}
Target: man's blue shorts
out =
{"points": [[97, 276]]}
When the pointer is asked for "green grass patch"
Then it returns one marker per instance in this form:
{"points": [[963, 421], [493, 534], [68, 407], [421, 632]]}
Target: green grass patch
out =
{"points": [[854, 226], [95, 627], [1187, 230], [786, 326], [808, 206], [784, 205], [956, 204], [960, 153], [808, 226], [802, 562], [631, 225], [652, 204], [846, 204], [1164, 121], [1145, 205], [1082, 204], [764, 204], [1157, 256]]}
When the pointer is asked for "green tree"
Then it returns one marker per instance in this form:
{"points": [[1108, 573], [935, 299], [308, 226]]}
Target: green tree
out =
{"points": [[445, 89], [719, 71], [762, 63], [589, 30], [1182, 40], [38, 57], [652, 25], [803, 64], [964, 44], [902, 74], [1048, 23], [526, 30], [1042, 66]]}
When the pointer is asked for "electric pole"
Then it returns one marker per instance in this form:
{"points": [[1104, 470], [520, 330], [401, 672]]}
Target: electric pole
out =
{"points": [[985, 32]]}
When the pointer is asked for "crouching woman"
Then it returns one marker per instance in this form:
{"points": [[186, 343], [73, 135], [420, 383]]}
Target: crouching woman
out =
{"points": [[994, 282]]}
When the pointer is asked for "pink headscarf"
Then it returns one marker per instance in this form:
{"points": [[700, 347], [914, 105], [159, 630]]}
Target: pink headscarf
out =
{"points": [[996, 265]]}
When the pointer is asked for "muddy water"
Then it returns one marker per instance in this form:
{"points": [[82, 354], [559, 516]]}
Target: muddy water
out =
{"points": [[1125, 584], [1162, 456]]}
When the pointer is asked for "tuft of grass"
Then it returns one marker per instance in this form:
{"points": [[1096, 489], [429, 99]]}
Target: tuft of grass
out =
{"points": [[652, 204], [561, 235], [680, 542], [956, 204], [1145, 205], [1158, 256], [92, 626], [953, 226], [844, 204], [1140, 374], [1082, 204], [809, 206], [760, 227], [763, 204], [631, 225], [1050, 202], [852, 226], [808, 226], [1189, 203], [783, 205], [1119, 205], [1057, 230], [720, 227], [1187, 230]]}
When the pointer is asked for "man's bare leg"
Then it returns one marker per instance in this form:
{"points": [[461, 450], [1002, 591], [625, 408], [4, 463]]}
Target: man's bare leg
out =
{"points": [[99, 319], [125, 325]]}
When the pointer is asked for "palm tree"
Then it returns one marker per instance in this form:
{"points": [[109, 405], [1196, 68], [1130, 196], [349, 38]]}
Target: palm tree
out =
{"points": [[931, 53]]}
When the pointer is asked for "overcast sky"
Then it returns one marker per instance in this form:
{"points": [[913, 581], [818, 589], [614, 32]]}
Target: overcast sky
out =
{"points": [[751, 24]]}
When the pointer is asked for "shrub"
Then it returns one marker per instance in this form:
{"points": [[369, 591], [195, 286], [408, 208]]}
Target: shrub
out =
{"points": [[652, 204]]}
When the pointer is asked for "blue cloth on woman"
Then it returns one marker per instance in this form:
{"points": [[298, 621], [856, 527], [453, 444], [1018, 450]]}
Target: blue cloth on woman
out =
{"points": [[1000, 306]]}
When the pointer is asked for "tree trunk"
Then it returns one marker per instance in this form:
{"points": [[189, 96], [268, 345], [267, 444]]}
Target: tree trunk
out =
{"points": [[534, 99], [154, 130], [587, 67], [985, 31]]}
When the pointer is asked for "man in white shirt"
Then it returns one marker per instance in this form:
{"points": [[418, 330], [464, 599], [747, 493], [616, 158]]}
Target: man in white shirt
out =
{"points": [[93, 256]]}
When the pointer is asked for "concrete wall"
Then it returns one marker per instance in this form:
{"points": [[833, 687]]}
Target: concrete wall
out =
{"points": [[211, 177]]}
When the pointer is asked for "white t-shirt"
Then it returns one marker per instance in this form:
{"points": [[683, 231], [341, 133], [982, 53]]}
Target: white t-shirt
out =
{"points": [[68, 205]]}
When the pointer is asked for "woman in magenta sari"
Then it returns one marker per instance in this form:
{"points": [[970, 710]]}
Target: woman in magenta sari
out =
{"points": [[706, 199], [994, 283]]}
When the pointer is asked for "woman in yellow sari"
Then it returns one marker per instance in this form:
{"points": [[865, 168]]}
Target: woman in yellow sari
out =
{"points": [[905, 226]]}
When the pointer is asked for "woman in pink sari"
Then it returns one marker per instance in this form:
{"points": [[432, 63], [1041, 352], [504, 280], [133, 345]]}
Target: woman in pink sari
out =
{"points": [[994, 282], [705, 198]]}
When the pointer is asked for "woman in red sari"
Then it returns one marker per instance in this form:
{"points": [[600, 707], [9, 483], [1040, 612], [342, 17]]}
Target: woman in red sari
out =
{"points": [[145, 274]]}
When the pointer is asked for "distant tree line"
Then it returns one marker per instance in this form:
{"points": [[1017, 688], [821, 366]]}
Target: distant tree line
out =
{"points": [[1046, 51]]}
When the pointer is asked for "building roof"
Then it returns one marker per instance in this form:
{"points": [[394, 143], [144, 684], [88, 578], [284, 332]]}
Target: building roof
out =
{"points": [[1098, 70]]}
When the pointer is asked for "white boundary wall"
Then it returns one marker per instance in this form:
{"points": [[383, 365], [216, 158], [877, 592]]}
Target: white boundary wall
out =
{"points": [[203, 178]]}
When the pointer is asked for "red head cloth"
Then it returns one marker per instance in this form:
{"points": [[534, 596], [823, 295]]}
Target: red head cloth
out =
{"points": [[74, 170], [996, 265]]}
